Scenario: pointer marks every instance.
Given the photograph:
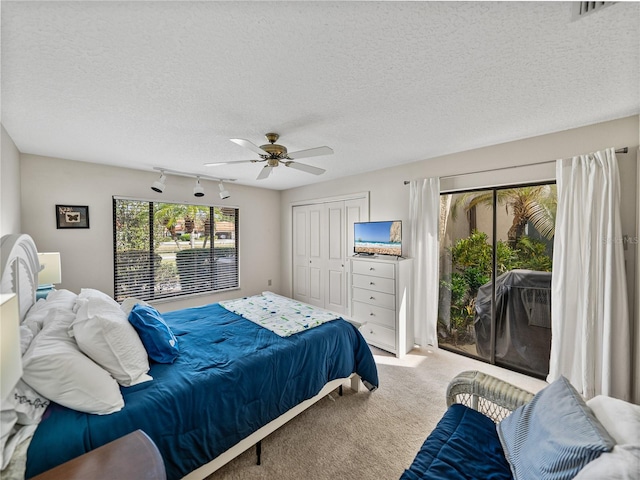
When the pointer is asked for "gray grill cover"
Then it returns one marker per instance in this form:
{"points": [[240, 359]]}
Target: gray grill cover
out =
{"points": [[523, 320]]}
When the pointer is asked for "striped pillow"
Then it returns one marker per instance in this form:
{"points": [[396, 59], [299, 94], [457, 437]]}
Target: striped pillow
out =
{"points": [[554, 436]]}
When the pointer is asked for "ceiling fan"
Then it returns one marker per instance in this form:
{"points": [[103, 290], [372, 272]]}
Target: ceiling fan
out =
{"points": [[275, 154]]}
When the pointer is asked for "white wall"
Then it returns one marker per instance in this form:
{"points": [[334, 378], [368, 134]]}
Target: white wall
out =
{"points": [[389, 197], [87, 254], [9, 186]]}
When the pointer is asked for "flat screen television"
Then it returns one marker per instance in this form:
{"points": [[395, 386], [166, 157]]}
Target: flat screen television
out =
{"points": [[378, 238]]}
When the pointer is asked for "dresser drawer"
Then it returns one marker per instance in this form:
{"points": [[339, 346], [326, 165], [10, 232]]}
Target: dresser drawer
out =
{"points": [[364, 312], [374, 298], [382, 337], [378, 269], [379, 284]]}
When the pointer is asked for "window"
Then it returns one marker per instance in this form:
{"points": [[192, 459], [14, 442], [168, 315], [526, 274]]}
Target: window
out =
{"points": [[495, 275], [164, 250]]}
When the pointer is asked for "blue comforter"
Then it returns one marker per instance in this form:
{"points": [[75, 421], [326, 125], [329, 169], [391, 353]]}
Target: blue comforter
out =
{"points": [[463, 446], [231, 378]]}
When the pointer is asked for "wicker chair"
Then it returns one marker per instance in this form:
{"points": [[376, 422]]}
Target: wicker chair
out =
{"points": [[489, 395]]}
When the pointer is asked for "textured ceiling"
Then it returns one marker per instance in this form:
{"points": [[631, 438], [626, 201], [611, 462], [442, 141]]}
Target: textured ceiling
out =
{"points": [[144, 84]]}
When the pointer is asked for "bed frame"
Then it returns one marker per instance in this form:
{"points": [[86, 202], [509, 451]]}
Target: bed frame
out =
{"points": [[19, 275]]}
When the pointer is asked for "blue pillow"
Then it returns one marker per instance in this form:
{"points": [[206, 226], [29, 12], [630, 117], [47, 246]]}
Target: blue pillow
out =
{"points": [[554, 436], [156, 336]]}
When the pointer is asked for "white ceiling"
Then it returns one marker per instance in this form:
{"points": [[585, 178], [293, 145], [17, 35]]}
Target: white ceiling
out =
{"points": [[144, 84]]}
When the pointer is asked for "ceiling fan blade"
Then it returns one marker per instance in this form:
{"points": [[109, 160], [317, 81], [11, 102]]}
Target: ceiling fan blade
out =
{"points": [[311, 152], [305, 168], [264, 173], [215, 164], [251, 146]]}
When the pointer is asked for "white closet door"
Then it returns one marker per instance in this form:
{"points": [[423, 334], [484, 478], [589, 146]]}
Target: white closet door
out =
{"points": [[335, 284], [301, 253], [322, 242], [317, 255], [356, 210]]}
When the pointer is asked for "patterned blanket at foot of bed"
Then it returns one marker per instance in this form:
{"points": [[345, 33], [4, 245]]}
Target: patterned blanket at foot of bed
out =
{"points": [[283, 316]]}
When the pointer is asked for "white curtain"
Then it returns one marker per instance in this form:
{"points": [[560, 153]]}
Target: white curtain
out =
{"points": [[590, 319], [424, 211]]}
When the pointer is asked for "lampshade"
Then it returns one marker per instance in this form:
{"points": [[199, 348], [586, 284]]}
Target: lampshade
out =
{"points": [[198, 191], [158, 185], [10, 354], [50, 272], [223, 192]]}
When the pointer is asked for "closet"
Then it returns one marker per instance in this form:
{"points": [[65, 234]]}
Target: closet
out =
{"points": [[322, 244]]}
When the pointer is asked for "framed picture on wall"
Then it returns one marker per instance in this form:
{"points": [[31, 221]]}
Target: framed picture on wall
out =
{"points": [[72, 216]]}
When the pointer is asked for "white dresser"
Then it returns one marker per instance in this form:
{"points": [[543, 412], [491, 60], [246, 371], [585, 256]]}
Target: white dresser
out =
{"points": [[380, 298]]}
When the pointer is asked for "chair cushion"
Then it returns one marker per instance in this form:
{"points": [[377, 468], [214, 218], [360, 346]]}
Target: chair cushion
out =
{"points": [[463, 445]]}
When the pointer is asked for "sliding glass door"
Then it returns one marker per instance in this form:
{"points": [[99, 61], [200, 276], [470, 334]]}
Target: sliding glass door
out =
{"points": [[495, 275]]}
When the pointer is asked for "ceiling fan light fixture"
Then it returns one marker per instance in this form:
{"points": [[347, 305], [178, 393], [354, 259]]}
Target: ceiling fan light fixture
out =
{"points": [[223, 193], [158, 185], [198, 191]]}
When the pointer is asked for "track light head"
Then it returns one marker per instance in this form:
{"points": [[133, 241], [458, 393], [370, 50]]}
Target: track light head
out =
{"points": [[158, 185], [223, 193], [198, 191]]}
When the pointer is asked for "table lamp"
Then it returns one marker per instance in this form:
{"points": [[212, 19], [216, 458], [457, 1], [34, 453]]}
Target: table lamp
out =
{"points": [[50, 273]]}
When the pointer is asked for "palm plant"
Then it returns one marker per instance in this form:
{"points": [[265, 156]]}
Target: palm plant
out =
{"points": [[535, 204]]}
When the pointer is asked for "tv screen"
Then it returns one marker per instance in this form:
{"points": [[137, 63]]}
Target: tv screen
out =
{"points": [[378, 238]]}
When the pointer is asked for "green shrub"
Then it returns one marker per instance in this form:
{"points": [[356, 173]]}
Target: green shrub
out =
{"points": [[471, 259]]}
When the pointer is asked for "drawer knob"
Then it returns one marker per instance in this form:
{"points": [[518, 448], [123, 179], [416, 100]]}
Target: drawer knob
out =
{"points": [[372, 314], [371, 269], [371, 331], [371, 283], [371, 298]]}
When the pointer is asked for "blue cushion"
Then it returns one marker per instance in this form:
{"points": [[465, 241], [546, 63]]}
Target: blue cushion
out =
{"points": [[554, 436], [157, 338], [463, 445]]}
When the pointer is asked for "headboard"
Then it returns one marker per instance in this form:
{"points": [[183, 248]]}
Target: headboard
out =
{"points": [[20, 267]]}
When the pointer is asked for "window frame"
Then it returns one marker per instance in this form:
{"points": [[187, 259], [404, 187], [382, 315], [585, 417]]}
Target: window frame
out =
{"points": [[153, 295], [492, 359]]}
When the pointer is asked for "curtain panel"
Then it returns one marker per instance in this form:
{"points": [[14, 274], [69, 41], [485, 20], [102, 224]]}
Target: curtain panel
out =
{"points": [[591, 344], [424, 211]]}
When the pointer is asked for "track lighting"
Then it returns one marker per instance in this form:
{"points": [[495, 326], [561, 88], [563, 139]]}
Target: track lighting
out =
{"points": [[223, 193], [158, 185], [198, 191]]}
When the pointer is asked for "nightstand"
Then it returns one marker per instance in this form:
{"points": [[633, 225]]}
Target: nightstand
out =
{"points": [[132, 457]]}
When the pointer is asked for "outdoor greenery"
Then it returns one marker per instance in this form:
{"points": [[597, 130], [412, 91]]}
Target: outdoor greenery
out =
{"points": [[150, 239], [536, 204], [471, 259], [531, 208]]}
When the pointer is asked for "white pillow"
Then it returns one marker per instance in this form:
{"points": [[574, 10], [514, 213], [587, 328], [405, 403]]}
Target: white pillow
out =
{"points": [[29, 404], [55, 367], [87, 293], [621, 463], [105, 335], [26, 336], [39, 313], [61, 299], [620, 418], [130, 302]]}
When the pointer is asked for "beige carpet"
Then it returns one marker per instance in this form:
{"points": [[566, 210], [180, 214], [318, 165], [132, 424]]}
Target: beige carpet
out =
{"points": [[365, 435]]}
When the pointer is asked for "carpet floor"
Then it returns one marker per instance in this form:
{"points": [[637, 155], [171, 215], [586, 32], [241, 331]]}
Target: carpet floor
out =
{"points": [[366, 436]]}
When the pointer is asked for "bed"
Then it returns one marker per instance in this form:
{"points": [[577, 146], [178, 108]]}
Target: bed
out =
{"points": [[232, 383]]}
